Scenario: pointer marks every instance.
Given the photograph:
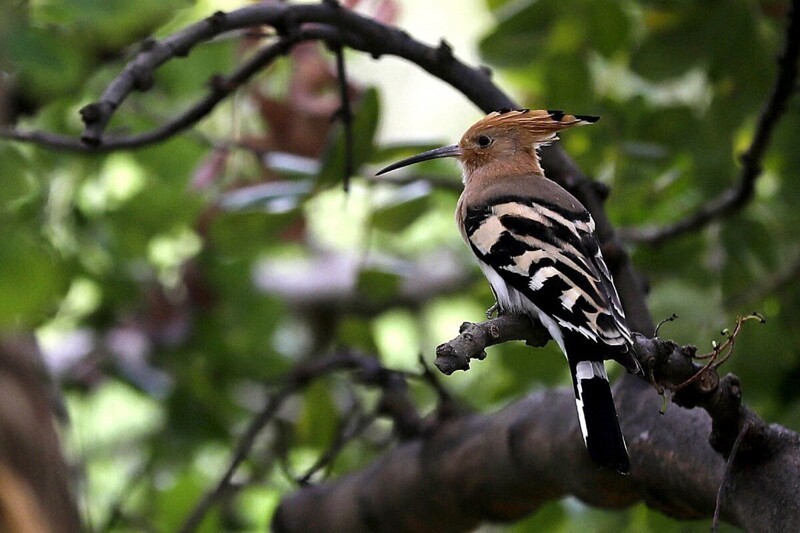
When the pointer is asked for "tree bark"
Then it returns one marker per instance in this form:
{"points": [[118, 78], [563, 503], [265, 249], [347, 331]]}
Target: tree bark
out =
{"points": [[35, 486], [503, 466]]}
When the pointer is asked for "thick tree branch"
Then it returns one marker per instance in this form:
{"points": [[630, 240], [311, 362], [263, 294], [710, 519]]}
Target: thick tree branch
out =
{"points": [[502, 466], [736, 197], [668, 366]]}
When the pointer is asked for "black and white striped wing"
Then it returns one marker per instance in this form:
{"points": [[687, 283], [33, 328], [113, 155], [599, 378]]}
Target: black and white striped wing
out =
{"points": [[551, 257]]}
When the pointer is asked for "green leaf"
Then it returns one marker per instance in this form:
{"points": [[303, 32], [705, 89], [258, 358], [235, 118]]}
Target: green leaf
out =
{"points": [[365, 124], [377, 286], [239, 234], [31, 280], [15, 177], [318, 419], [402, 208], [723, 37], [556, 30]]}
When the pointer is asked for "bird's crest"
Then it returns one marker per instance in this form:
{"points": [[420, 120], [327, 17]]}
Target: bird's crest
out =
{"points": [[539, 126]]}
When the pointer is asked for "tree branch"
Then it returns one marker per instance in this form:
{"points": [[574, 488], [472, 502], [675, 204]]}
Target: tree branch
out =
{"points": [[220, 87], [395, 403], [473, 339], [331, 24], [667, 365], [503, 466], [345, 114], [736, 197]]}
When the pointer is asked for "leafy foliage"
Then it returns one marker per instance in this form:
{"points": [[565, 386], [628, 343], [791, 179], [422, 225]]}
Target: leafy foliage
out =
{"points": [[173, 286]]}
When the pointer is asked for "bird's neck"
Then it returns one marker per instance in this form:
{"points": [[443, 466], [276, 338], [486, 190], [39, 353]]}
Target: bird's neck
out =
{"points": [[520, 163]]}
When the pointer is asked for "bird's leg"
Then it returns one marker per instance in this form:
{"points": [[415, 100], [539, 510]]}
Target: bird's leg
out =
{"points": [[493, 310]]}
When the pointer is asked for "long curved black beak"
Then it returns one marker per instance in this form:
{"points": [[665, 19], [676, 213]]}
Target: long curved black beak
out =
{"points": [[436, 153]]}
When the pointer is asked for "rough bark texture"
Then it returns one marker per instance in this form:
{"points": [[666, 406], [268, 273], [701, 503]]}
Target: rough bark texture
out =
{"points": [[503, 466]]}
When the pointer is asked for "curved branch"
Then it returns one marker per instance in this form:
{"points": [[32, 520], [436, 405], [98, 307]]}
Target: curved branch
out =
{"points": [[329, 23], [219, 88], [736, 197]]}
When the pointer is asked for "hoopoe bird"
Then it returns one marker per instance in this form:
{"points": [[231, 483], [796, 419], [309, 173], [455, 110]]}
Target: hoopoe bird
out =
{"points": [[535, 244]]}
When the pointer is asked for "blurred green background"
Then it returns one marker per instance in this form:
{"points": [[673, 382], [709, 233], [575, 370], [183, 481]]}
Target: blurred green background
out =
{"points": [[172, 286]]}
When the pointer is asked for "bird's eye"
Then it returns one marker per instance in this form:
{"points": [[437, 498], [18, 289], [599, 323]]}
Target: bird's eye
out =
{"points": [[484, 141]]}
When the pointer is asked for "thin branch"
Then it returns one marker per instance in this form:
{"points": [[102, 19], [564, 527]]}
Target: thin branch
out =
{"points": [[300, 378], [345, 114], [736, 197], [353, 425], [395, 403], [220, 87], [294, 22], [241, 452]]}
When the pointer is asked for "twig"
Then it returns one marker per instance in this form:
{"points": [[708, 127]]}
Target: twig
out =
{"points": [[299, 378], [396, 402], [220, 87], [726, 348], [345, 114], [671, 318], [243, 448], [353, 426], [734, 198]]}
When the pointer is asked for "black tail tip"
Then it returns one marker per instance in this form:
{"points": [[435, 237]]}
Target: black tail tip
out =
{"points": [[558, 115], [623, 468], [618, 461]]}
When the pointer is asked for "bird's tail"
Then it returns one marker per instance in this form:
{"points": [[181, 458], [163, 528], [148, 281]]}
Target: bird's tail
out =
{"points": [[598, 416]]}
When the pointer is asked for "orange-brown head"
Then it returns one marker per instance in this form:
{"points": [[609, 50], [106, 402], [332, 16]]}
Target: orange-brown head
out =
{"points": [[505, 140]]}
